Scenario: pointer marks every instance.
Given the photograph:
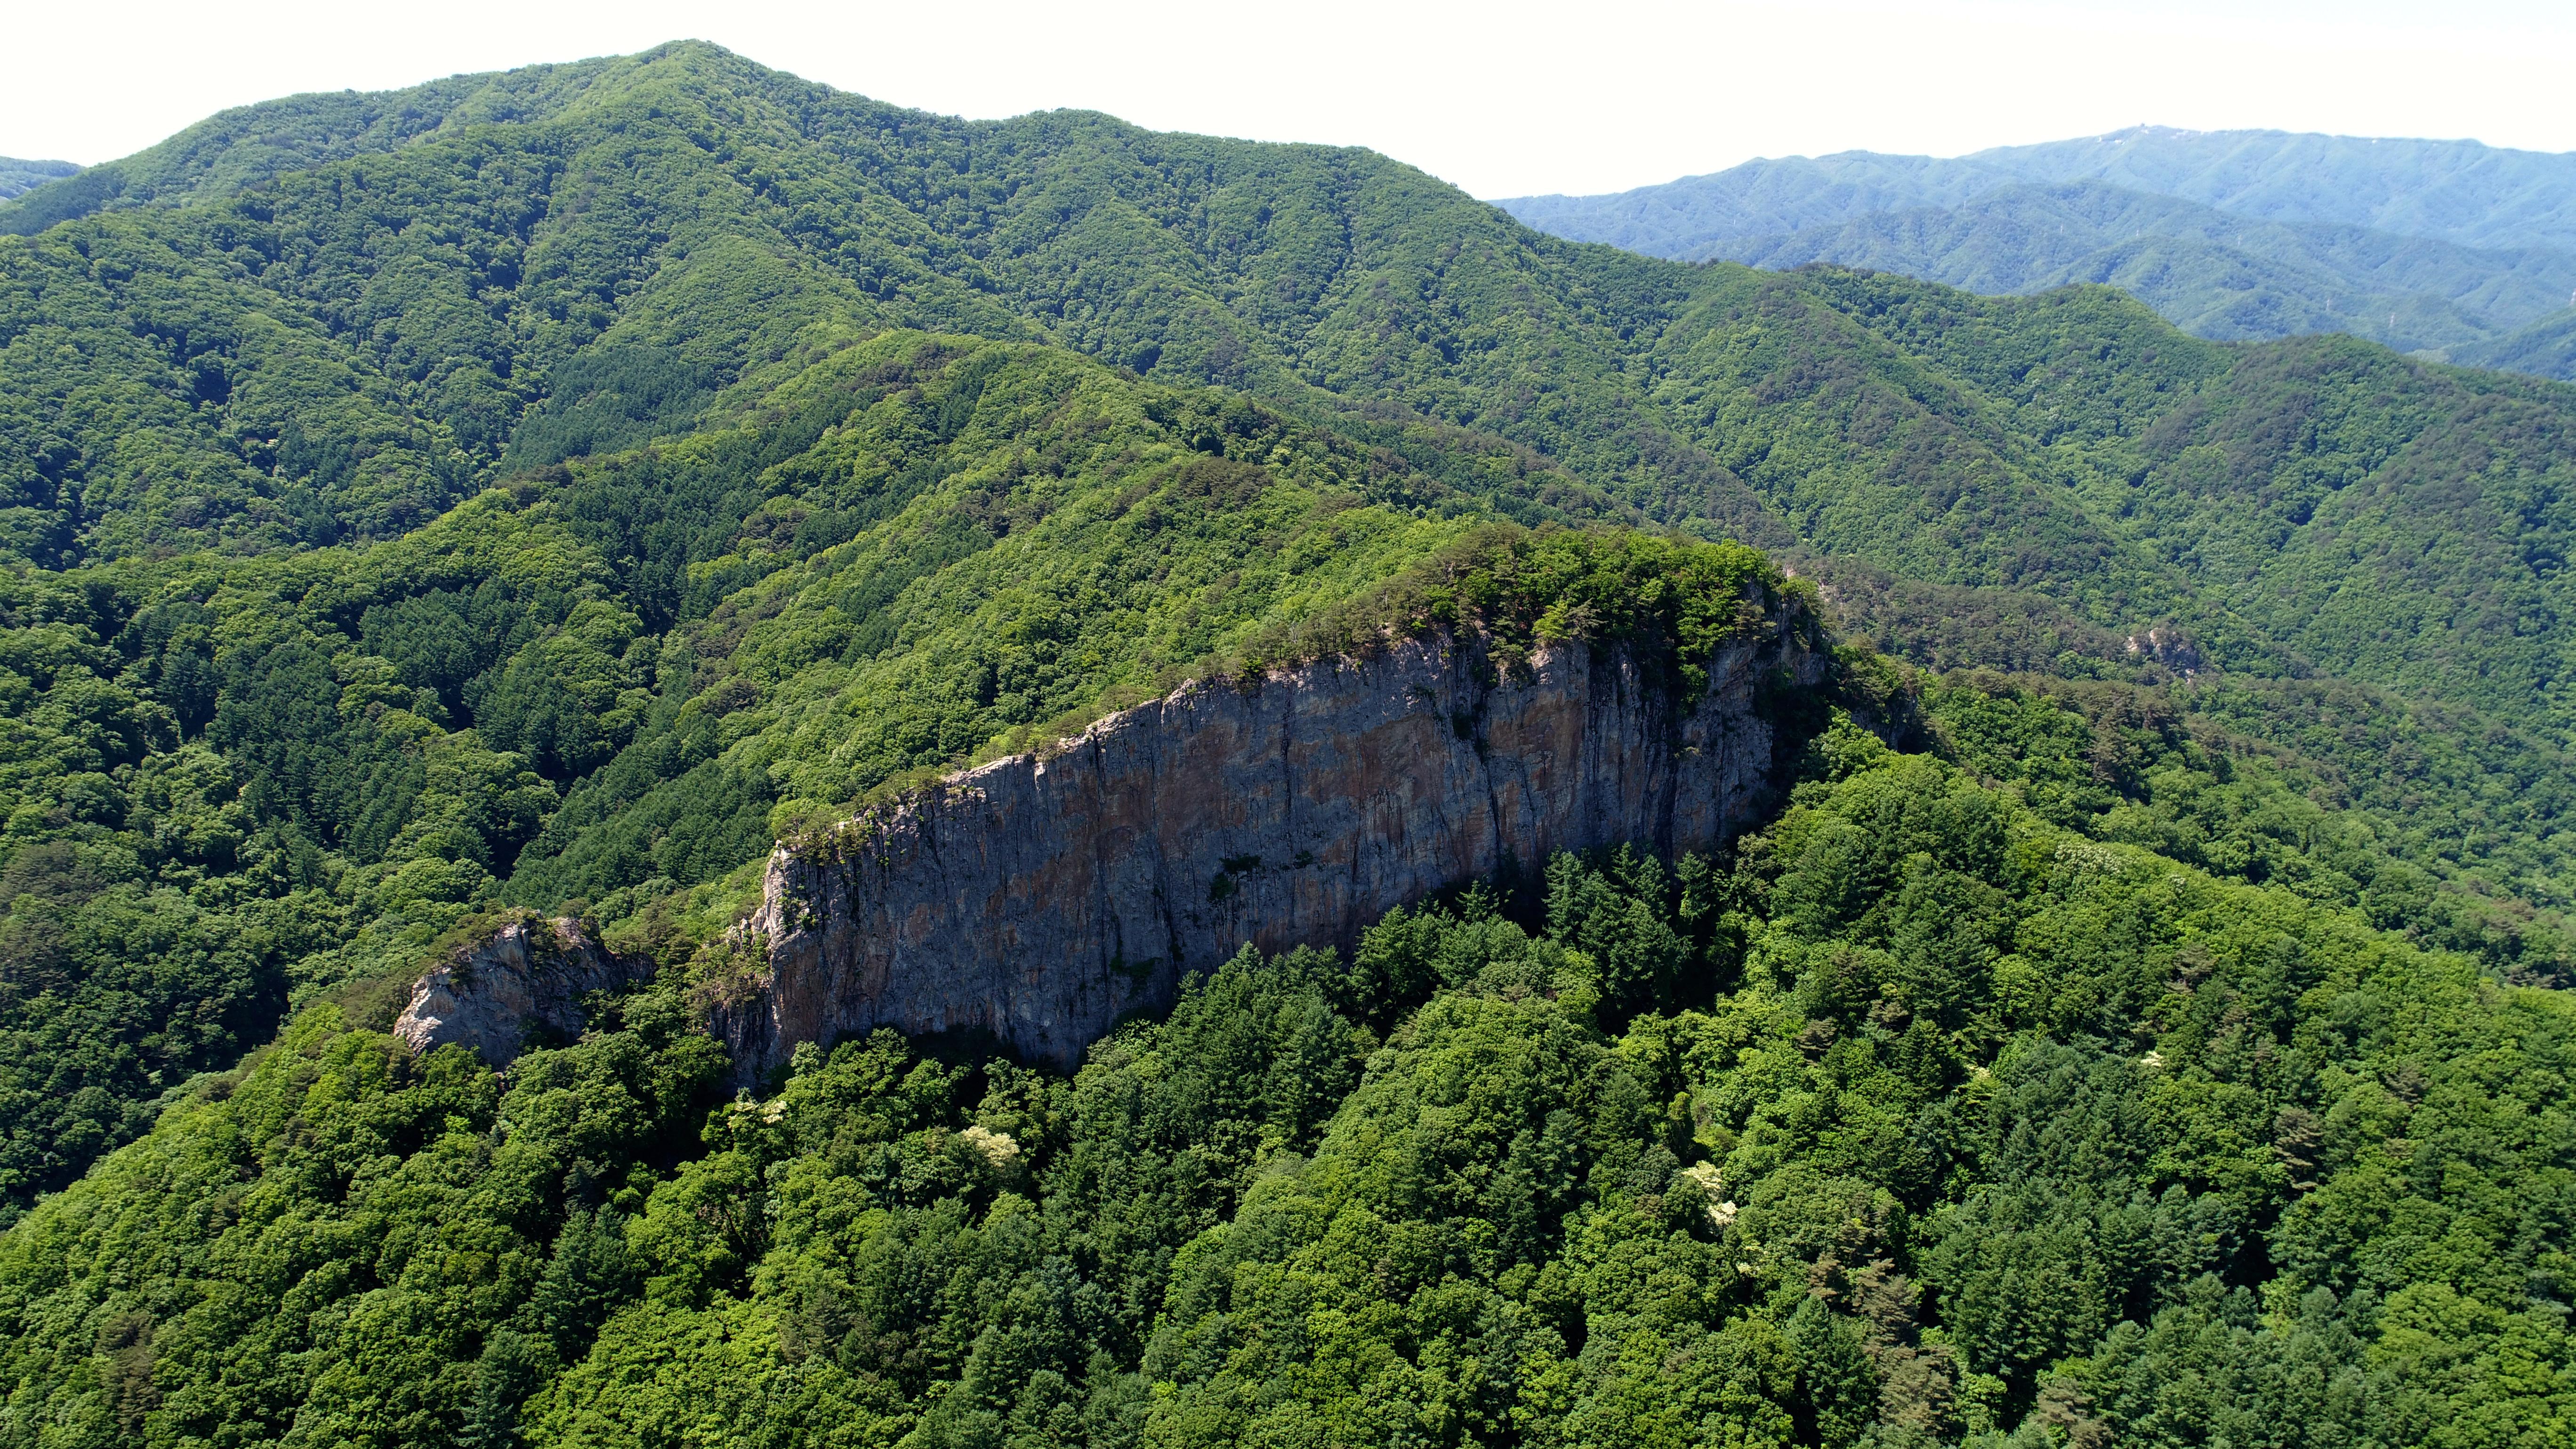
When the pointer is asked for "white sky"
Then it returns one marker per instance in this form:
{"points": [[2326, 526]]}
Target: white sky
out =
{"points": [[1502, 98]]}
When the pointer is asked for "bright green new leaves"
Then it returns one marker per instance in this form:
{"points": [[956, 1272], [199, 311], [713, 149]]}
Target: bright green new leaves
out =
{"points": [[330, 1237]]}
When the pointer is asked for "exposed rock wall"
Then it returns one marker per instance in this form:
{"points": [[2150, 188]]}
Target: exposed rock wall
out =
{"points": [[1043, 898], [527, 980]]}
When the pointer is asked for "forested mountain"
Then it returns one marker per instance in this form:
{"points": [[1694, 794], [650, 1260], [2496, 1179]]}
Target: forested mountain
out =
{"points": [[2447, 248], [16, 177], [540, 492], [337, 355]]}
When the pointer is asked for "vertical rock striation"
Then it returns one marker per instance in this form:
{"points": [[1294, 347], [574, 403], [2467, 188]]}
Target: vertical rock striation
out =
{"points": [[1043, 897]]}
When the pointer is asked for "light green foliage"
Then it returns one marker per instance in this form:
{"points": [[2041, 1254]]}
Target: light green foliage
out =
{"points": [[220, 799], [18, 177], [347, 1241], [2430, 826]]}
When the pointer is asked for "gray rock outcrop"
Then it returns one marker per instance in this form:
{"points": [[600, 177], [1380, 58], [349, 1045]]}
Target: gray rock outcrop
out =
{"points": [[1043, 897], [526, 981]]}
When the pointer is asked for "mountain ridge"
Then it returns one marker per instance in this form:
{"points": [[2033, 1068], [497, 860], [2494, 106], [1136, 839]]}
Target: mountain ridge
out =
{"points": [[2032, 237], [2260, 234], [2226, 170], [1362, 329]]}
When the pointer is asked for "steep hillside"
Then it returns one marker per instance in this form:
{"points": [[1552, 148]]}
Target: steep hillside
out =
{"points": [[409, 324], [2070, 446], [1917, 1120], [428, 310], [256, 374], [249, 145], [238, 779]]}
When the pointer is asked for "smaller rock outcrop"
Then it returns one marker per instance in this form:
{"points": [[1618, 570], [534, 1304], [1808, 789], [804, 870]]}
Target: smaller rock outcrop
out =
{"points": [[526, 981]]}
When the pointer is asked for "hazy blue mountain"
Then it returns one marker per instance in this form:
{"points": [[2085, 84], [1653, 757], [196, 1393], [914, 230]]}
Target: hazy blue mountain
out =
{"points": [[2458, 191], [18, 177], [2215, 273], [2446, 247], [1759, 198]]}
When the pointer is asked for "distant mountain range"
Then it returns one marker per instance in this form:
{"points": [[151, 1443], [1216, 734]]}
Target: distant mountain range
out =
{"points": [[2461, 251], [17, 177]]}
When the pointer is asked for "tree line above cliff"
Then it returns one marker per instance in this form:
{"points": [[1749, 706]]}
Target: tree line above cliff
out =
{"points": [[342, 757], [240, 780]]}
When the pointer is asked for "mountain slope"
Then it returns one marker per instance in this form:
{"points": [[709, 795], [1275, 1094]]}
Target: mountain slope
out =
{"points": [[240, 778], [260, 383], [1765, 197], [249, 145], [1889, 1162], [2454, 191], [1072, 227], [2546, 348], [2069, 445]]}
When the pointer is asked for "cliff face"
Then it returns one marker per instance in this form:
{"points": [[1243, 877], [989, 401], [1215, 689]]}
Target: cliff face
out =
{"points": [[1043, 898], [527, 980]]}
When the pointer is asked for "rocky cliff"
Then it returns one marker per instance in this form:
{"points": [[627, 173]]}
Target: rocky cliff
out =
{"points": [[1043, 897], [526, 981]]}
